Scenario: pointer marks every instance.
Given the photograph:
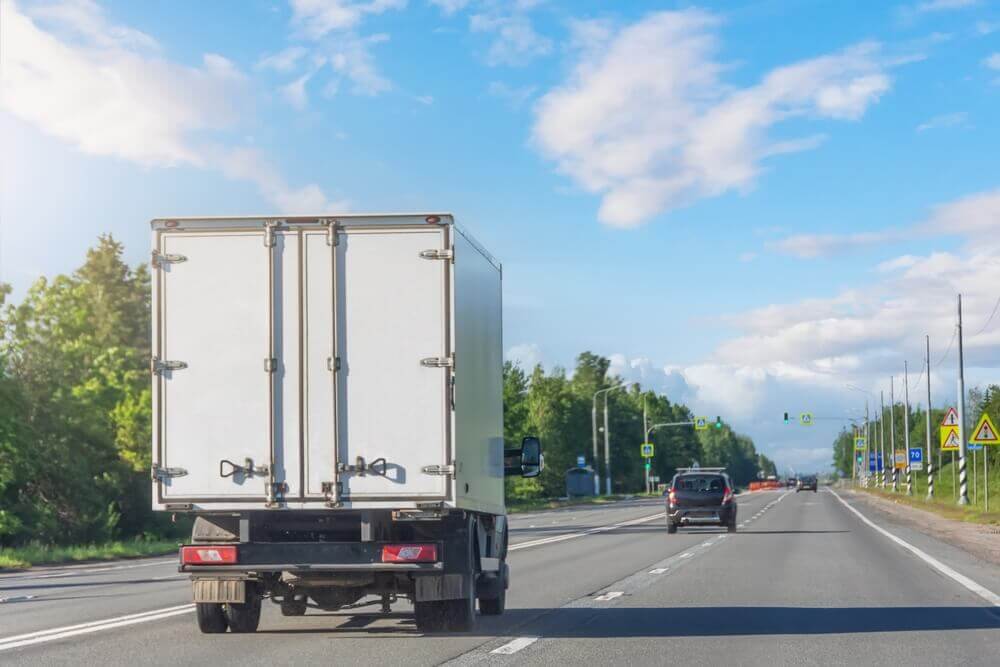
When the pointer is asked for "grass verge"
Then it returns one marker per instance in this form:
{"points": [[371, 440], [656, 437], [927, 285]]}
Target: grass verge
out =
{"points": [[944, 502], [42, 554]]}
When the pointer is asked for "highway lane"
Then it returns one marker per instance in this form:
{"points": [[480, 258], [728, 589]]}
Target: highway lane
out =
{"points": [[805, 581], [544, 575]]}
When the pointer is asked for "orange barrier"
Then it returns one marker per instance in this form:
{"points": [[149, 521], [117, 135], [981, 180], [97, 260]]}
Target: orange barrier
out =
{"points": [[766, 485]]}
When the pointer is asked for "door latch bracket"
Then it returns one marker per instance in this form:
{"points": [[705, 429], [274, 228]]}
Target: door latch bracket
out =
{"points": [[159, 259], [361, 467], [438, 470], [160, 473], [157, 365], [438, 362], [437, 253]]}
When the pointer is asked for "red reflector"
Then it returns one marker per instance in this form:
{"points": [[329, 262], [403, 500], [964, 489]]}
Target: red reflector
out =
{"points": [[208, 555], [432, 219], [409, 553], [170, 223]]}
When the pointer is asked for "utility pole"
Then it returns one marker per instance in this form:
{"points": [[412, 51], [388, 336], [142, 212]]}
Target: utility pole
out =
{"points": [[906, 426], [881, 439], [645, 438], [930, 461], [892, 432], [597, 468], [607, 450], [963, 493], [868, 442]]}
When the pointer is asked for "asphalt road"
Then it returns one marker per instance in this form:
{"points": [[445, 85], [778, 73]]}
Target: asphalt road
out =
{"points": [[804, 581]]}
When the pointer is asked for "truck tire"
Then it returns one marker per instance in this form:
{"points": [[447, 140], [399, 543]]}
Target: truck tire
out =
{"points": [[211, 618], [430, 615], [293, 607], [493, 606], [245, 616], [731, 526], [671, 527]]}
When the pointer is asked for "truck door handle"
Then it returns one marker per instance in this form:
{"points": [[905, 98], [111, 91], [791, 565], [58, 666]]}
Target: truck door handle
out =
{"points": [[248, 469]]}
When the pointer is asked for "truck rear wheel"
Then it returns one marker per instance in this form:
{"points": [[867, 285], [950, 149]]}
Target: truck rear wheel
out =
{"points": [[293, 607], [211, 618], [245, 616], [493, 606], [430, 615]]}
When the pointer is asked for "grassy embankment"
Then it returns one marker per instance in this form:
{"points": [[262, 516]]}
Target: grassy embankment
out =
{"points": [[40, 554], [945, 492]]}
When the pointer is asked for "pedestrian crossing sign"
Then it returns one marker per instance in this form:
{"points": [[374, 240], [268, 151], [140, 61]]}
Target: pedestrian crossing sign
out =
{"points": [[985, 432], [701, 423], [859, 444], [950, 418], [647, 450], [949, 439]]}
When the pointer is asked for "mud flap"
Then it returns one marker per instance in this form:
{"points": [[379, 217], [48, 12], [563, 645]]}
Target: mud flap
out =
{"points": [[219, 590], [440, 587]]}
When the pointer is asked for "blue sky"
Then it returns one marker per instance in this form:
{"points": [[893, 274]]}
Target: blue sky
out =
{"points": [[748, 204]]}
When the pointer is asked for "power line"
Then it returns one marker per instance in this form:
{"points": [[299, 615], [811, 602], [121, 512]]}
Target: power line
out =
{"points": [[954, 332], [992, 315]]}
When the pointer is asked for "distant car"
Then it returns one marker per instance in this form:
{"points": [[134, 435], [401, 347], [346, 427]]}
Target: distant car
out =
{"points": [[792, 482], [699, 498], [807, 484]]}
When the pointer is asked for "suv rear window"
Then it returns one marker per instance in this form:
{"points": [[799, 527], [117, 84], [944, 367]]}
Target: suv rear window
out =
{"points": [[700, 483]]}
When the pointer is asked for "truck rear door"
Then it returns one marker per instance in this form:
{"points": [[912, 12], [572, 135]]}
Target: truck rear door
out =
{"points": [[394, 398]]}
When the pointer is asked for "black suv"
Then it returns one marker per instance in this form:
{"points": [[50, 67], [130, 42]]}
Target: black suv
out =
{"points": [[699, 497], [807, 483]]}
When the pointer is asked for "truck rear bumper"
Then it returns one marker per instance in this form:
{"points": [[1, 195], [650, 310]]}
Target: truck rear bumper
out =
{"points": [[312, 557]]}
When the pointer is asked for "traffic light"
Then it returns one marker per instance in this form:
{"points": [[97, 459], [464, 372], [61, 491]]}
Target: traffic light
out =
{"points": [[786, 417], [718, 422]]}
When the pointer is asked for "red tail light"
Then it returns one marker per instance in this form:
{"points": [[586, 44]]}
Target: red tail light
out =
{"points": [[672, 497], [727, 496], [208, 555], [409, 553]]}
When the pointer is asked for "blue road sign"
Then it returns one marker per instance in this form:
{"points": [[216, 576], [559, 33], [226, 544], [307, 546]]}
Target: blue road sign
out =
{"points": [[871, 461], [973, 448], [916, 455], [581, 462]]}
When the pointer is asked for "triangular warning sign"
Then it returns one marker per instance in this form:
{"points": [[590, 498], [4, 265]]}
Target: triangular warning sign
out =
{"points": [[985, 432], [949, 439], [950, 418]]}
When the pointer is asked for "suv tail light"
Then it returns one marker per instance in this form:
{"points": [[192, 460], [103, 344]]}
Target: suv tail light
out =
{"points": [[221, 555], [672, 496], [409, 553], [727, 496]]}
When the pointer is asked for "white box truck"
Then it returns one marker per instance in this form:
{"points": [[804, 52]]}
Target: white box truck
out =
{"points": [[327, 403]]}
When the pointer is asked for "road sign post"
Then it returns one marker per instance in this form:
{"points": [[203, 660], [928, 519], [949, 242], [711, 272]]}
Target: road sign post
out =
{"points": [[984, 434]]}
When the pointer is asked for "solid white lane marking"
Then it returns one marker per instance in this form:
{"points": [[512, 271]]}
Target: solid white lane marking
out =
{"points": [[659, 570], [88, 570], [611, 595], [592, 531], [976, 588], [54, 634], [515, 645], [686, 554], [17, 598]]}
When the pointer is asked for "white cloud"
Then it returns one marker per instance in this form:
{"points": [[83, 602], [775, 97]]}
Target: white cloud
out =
{"points": [[931, 6], [351, 58], [449, 7], [973, 215], [515, 43], [695, 135], [811, 246], [515, 96], [426, 100], [992, 61], [295, 92], [283, 61], [249, 165], [104, 89], [527, 355], [317, 18], [955, 119], [987, 27]]}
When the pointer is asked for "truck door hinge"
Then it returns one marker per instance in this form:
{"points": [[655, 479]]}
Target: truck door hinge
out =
{"points": [[160, 473], [271, 226], [331, 230], [333, 364], [438, 470], [159, 259], [437, 253], [438, 362], [157, 365], [270, 365]]}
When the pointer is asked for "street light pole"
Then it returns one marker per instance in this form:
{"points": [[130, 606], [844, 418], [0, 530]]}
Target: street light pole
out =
{"points": [[892, 432], [593, 419], [881, 438], [930, 461]]}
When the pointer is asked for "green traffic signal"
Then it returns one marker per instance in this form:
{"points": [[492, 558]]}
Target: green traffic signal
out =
{"points": [[786, 417], [718, 422]]}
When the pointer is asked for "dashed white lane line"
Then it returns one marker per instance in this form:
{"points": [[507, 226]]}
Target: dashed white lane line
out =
{"points": [[600, 529], [77, 572], [659, 570], [515, 645], [610, 595], [976, 588], [17, 598], [42, 636], [686, 554]]}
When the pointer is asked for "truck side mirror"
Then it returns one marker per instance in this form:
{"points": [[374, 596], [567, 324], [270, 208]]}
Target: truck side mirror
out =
{"points": [[531, 457], [526, 461]]}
